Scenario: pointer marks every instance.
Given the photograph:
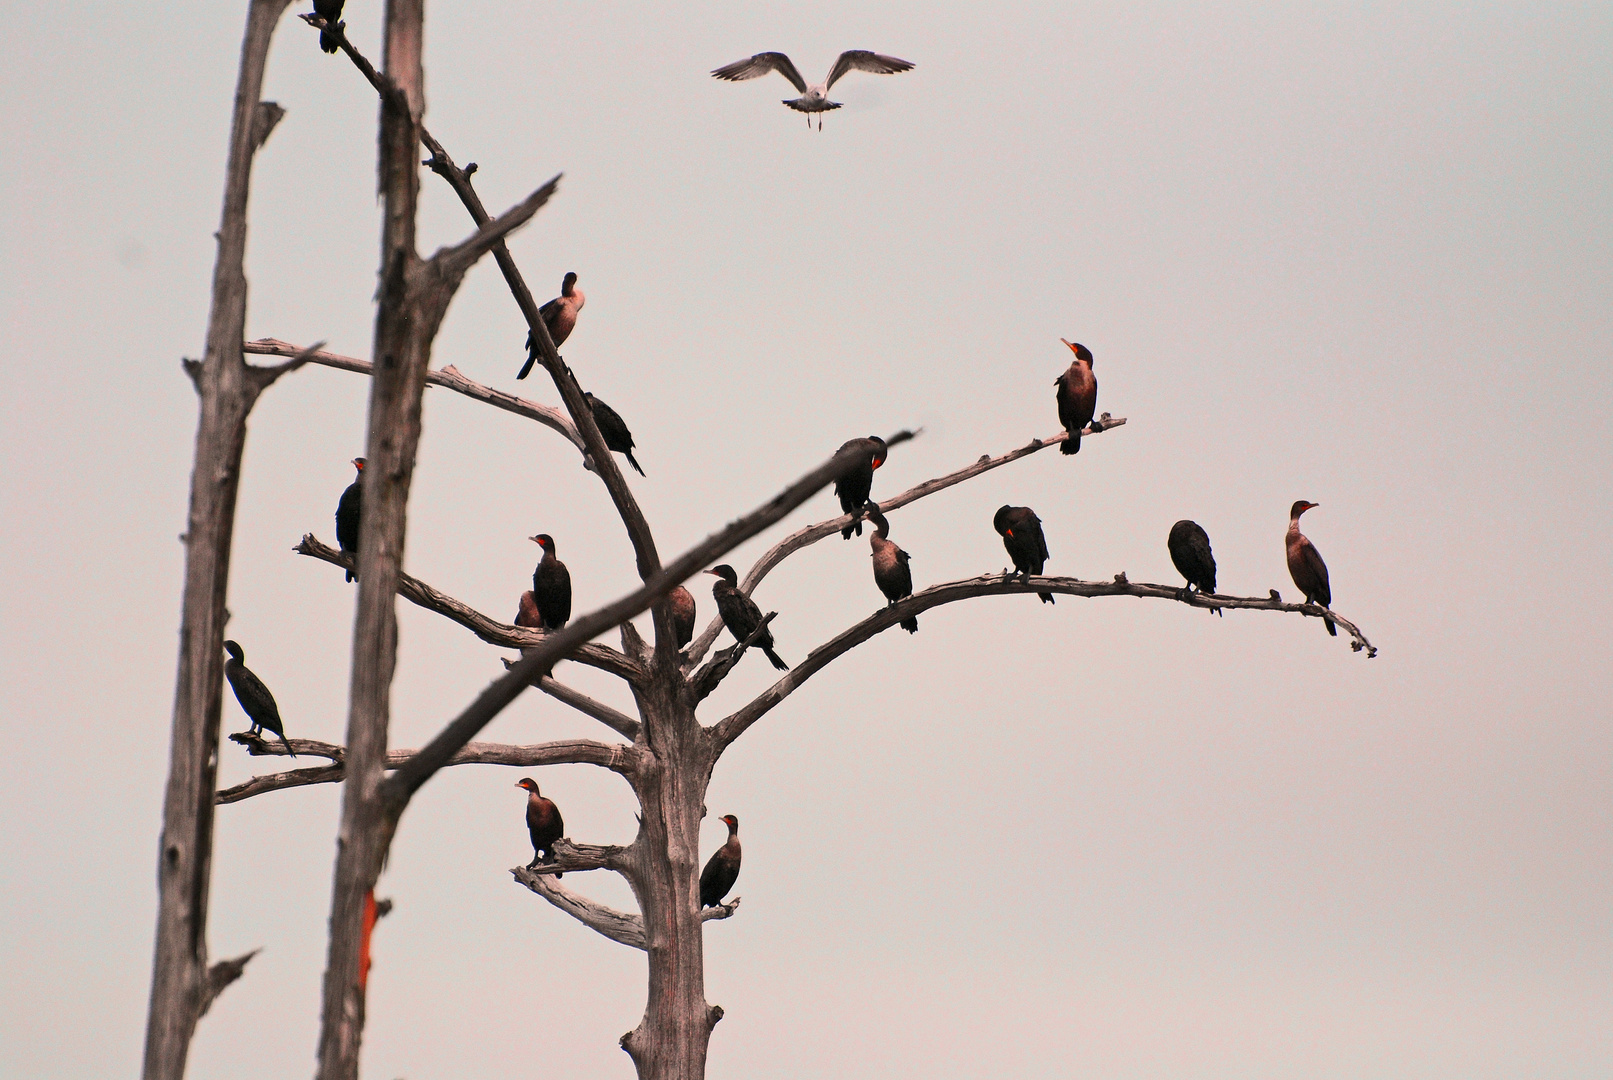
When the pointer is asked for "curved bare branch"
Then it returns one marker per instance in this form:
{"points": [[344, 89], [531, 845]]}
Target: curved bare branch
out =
{"points": [[488, 629], [450, 377], [618, 722], [811, 534], [619, 926], [731, 727], [566, 856], [613, 756]]}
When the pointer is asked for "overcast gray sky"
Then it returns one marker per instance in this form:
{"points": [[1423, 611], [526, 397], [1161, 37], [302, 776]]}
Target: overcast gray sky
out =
{"points": [[1362, 256]]}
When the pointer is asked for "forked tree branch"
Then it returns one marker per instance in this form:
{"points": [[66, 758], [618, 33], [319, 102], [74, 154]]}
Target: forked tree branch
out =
{"points": [[619, 926], [615, 757], [221, 975], [731, 727], [401, 785], [810, 535], [488, 629], [450, 377]]}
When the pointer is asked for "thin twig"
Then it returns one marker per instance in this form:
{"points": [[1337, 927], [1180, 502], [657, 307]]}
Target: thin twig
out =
{"points": [[811, 534], [450, 377], [734, 725]]}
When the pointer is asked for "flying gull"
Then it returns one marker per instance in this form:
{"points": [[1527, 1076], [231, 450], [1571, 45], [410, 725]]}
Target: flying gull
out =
{"points": [[813, 99]]}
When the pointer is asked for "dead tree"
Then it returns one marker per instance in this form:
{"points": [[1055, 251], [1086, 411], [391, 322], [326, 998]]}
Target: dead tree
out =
{"points": [[667, 755]]}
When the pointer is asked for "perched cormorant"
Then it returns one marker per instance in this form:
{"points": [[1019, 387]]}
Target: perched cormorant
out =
{"points": [[617, 437], [740, 613], [722, 869], [891, 572], [560, 316], [542, 822], [255, 699], [682, 614], [551, 586], [1305, 564], [1189, 546], [349, 513], [853, 487], [527, 613], [1021, 531], [813, 99], [331, 12], [1077, 395]]}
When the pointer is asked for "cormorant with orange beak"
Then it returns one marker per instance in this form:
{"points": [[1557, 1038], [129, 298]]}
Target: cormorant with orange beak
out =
{"points": [[560, 316], [349, 515], [682, 614], [551, 586], [255, 699], [891, 571], [613, 430], [1077, 395], [740, 613], [1189, 546], [853, 487], [542, 822], [1021, 531], [722, 869], [1305, 564]]}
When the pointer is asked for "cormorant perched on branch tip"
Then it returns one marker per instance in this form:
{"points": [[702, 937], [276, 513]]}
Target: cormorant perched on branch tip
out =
{"points": [[255, 699], [350, 516], [1077, 397], [722, 869], [543, 823], [1305, 564]]}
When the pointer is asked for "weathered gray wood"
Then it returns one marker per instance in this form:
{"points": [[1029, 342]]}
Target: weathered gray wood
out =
{"points": [[182, 985]]}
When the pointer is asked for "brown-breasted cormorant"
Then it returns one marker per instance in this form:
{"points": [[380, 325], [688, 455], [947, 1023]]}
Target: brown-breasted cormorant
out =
{"points": [[551, 586], [1021, 531], [853, 487], [613, 430], [891, 572], [560, 316], [1189, 546], [722, 869], [1305, 564], [331, 12], [682, 614], [349, 514], [527, 613], [255, 699], [542, 822], [1077, 395], [740, 613]]}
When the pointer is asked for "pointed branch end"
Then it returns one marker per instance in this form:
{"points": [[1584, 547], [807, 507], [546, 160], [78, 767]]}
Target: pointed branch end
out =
{"points": [[221, 975]]}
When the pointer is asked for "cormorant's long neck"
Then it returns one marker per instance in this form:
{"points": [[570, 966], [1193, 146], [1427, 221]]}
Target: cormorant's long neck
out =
{"points": [[1293, 527]]}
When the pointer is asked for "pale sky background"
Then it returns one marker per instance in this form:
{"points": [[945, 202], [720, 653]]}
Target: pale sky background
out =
{"points": [[1362, 256]]}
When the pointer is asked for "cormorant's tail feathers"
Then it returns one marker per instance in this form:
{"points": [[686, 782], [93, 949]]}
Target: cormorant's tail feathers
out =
{"points": [[778, 661], [1071, 444], [1047, 597], [910, 625], [1331, 629], [633, 462]]}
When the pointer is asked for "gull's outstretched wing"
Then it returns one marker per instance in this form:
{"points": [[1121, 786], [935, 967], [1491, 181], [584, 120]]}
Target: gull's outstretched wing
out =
{"points": [[762, 63], [863, 60]]}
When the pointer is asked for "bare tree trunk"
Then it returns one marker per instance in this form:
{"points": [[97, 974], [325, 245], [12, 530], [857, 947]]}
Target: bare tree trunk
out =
{"points": [[406, 322], [181, 985], [670, 1042]]}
